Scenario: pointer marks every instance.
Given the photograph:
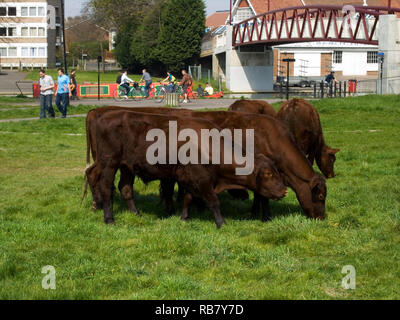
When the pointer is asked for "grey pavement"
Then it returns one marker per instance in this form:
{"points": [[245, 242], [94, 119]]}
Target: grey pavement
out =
{"points": [[7, 83], [196, 105]]}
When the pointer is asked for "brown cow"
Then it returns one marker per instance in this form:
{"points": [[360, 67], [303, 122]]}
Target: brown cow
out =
{"points": [[309, 187], [303, 121], [253, 106], [122, 142]]}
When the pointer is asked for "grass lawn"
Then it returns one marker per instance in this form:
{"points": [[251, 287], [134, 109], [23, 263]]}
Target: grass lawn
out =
{"points": [[27, 112], [4, 101], [43, 223]]}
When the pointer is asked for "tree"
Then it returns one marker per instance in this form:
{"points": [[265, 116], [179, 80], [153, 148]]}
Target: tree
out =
{"points": [[145, 40], [181, 34], [116, 13]]}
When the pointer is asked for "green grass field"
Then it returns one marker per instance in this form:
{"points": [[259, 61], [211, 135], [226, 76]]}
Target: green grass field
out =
{"points": [[43, 223]]}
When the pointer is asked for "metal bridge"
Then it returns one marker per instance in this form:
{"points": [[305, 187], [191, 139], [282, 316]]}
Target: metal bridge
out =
{"points": [[354, 24]]}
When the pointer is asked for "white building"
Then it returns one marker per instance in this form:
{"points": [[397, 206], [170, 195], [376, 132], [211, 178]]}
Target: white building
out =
{"points": [[29, 33]]}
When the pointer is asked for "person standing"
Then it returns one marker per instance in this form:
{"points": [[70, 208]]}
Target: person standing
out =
{"points": [[148, 82], [74, 86], [186, 83], [63, 93], [46, 84]]}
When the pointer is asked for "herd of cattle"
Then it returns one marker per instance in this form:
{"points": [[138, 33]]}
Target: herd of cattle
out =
{"points": [[286, 145]]}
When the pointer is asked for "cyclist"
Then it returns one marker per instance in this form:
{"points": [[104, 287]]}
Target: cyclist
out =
{"points": [[172, 82], [125, 80]]}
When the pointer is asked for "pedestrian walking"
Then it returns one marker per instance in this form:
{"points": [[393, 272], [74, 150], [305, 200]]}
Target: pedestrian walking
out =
{"points": [[46, 84], [63, 93], [187, 81], [74, 86]]}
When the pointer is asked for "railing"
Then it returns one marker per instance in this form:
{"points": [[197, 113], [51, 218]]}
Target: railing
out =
{"points": [[312, 23]]}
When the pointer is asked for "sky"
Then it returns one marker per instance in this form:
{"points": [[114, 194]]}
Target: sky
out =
{"points": [[73, 7]]}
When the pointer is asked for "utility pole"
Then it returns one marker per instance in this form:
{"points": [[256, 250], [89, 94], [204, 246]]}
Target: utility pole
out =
{"points": [[288, 75], [230, 13], [63, 35]]}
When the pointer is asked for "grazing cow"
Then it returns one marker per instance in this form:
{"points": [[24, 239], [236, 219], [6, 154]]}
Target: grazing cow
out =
{"points": [[304, 123], [121, 141], [274, 141], [253, 106]]}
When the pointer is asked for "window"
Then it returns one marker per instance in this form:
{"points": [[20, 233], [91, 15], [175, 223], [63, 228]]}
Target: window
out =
{"points": [[338, 57], [12, 11], [25, 52], [41, 32], [3, 11], [372, 57], [12, 32], [24, 11], [243, 14], [41, 12], [33, 32], [33, 52], [42, 52], [24, 32], [12, 52], [3, 32], [3, 52], [32, 11]]}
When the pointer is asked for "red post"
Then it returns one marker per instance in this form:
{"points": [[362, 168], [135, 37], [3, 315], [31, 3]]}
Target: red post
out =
{"points": [[269, 5], [389, 4]]}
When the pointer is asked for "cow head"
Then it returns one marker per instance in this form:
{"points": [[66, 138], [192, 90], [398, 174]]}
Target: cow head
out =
{"points": [[269, 181], [92, 179], [328, 158], [318, 194]]}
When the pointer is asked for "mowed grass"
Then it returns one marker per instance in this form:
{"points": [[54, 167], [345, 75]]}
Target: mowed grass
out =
{"points": [[43, 223], [27, 112]]}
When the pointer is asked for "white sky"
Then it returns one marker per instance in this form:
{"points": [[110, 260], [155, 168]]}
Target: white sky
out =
{"points": [[73, 7]]}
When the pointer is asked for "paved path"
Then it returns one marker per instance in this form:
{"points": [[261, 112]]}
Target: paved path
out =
{"points": [[7, 83], [197, 105]]}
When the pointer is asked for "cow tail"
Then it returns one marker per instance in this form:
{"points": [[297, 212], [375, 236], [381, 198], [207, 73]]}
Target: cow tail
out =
{"points": [[88, 150]]}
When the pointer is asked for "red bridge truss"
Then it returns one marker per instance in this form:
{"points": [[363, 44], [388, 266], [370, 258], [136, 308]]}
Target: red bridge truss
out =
{"points": [[312, 23]]}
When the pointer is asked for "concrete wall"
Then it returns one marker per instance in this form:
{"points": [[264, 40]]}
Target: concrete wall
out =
{"points": [[389, 44], [248, 72]]}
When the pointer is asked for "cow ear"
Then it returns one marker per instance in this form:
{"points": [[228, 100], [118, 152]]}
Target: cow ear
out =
{"points": [[333, 151]]}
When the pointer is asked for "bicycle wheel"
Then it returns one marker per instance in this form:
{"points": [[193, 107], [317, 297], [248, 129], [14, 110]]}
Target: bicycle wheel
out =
{"points": [[119, 94], [137, 94], [181, 95], [160, 97]]}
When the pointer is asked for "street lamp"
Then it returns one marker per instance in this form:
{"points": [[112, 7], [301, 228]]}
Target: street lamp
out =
{"points": [[63, 35], [288, 75]]}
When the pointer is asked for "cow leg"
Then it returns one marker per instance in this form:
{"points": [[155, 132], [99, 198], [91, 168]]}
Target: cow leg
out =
{"points": [[107, 190], [266, 212], [181, 193], [186, 204], [256, 205], [167, 195], [212, 202], [126, 189]]}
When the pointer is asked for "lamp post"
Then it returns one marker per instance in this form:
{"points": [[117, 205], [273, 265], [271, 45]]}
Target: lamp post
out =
{"points": [[63, 35], [288, 61]]}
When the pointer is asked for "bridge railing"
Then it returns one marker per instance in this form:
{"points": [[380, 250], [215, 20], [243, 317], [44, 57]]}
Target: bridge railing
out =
{"points": [[312, 23]]}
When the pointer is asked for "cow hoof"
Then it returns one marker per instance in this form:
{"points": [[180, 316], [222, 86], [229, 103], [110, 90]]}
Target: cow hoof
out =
{"points": [[187, 220], [266, 219], [220, 224], [110, 222]]}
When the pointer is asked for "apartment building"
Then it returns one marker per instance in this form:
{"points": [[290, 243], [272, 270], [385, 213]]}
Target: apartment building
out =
{"points": [[30, 33]]}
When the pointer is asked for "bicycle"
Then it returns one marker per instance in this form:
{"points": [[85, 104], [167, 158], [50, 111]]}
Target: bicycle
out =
{"points": [[138, 93]]}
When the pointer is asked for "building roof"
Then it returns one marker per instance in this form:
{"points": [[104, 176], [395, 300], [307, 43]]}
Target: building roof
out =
{"points": [[218, 18]]}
